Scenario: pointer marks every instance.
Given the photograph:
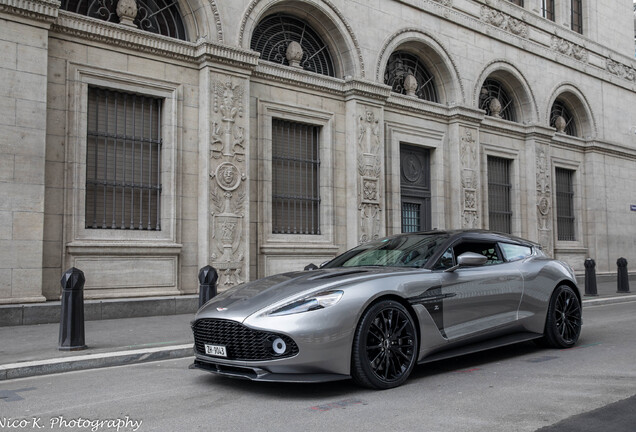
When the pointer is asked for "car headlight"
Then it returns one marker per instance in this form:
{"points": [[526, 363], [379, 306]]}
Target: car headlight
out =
{"points": [[317, 301]]}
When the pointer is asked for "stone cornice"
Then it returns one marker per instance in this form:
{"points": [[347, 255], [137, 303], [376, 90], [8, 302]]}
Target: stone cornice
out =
{"points": [[354, 87], [142, 41], [591, 145], [504, 127], [226, 54], [412, 104], [274, 72], [124, 37], [40, 10]]}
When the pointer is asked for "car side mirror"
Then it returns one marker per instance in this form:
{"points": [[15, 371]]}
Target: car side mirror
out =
{"points": [[469, 259]]}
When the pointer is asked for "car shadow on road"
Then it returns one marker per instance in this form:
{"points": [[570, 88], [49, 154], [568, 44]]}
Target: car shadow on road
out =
{"points": [[348, 389]]}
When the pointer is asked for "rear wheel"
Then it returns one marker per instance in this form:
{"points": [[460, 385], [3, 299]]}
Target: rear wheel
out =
{"points": [[563, 323], [384, 346]]}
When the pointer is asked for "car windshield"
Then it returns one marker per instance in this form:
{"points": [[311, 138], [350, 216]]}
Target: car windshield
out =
{"points": [[412, 250]]}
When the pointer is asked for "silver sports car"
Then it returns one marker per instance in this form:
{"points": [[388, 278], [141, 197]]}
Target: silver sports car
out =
{"points": [[376, 311]]}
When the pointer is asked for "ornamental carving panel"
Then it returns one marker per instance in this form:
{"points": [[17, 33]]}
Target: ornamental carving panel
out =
{"points": [[620, 70], [469, 157], [227, 182], [569, 49], [544, 199], [504, 21], [369, 176]]}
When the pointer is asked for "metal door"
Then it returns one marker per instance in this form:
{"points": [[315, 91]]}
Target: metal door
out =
{"points": [[415, 186]]}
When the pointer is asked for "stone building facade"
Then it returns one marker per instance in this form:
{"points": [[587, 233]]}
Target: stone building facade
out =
{"points": [[141, 141]]}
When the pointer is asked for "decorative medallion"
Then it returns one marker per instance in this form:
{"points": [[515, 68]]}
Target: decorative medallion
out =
{"points": [[228, 176]]}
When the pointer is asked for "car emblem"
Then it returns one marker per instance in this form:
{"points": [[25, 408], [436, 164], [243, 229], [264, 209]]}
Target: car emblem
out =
{"points": [[221, 309]]}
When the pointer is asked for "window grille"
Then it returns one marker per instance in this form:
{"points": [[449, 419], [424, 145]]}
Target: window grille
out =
{"points": [[547, 9], [400, 64], [295, 178], [274, 33], [565, 204], [156, 16], [123, 161], [493, 89], [411, 217], [517, 2], [577, 15], [499, 187], [560, 109]]}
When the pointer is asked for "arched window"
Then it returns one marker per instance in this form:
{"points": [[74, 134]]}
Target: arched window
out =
{"points": [[402, 64], [273, 35], [564, 124], [494, 99], [156, 16]]}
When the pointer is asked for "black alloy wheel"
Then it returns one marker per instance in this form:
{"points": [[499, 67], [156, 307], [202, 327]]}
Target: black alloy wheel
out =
{"points": [[385, 346], [563, 323]]}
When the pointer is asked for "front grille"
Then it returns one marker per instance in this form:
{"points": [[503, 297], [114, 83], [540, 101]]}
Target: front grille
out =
{"points": [[241, 342]]}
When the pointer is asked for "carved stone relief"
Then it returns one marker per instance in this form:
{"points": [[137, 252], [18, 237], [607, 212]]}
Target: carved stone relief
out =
{"points": [[469, 156], [544, 199], [620, 70], [504, 21], [569, 49], [227, 182], [369, 175]]}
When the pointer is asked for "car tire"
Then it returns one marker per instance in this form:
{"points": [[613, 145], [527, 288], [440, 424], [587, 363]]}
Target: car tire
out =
{"points": [[385, 346], [563, 321]]}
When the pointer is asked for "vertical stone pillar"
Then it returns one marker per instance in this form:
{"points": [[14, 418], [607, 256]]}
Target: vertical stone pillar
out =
{"points": [[365, 183], [544, 198], [228, 195], [465, 177], [24, 27]]}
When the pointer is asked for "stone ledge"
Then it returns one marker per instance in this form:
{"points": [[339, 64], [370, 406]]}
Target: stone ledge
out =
{"points": [[94, 310]]}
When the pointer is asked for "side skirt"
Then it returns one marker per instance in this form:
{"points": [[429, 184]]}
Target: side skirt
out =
{"points": [[481, 346]]}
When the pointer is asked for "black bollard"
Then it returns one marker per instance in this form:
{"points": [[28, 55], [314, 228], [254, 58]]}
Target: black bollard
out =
{"points": [[622, 280], [311, 266], [208, 277], [72, 315], [590, 277]]}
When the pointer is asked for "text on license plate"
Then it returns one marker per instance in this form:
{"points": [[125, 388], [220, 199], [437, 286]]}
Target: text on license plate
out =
{"points": [[215, 350]]}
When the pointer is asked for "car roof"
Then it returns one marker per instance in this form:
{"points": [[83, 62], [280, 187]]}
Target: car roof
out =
{"points": [[478, 234]]}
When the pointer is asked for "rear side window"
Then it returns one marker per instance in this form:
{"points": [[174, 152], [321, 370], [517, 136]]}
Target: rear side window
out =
{"points": [[487, 249], [513, 252]]}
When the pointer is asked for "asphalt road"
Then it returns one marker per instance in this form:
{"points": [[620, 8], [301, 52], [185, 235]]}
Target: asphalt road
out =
{"points": [[517, 388]]}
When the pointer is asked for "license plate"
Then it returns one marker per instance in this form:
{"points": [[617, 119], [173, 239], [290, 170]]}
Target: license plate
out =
{"points": [[215, 350]]}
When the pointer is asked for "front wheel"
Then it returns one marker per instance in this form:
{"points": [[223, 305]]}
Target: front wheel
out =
{"points": [[384, 346], [563, 322]]}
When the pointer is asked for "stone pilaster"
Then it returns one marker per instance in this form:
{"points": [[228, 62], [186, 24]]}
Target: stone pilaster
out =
{"points": [[24, 27], [366, 209], [225, 179]]}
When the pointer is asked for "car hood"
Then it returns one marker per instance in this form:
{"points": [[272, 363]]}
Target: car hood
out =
{"points": [[243, 300]]}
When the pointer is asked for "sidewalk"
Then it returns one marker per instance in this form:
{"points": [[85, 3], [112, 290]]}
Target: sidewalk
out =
{"points": [[29, 350]]}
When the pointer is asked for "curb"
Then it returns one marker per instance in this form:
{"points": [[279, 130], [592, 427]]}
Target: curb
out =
{"points": [[593, 301], [93, 361]]}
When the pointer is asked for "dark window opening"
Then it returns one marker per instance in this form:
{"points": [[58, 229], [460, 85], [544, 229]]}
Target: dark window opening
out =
{"points": [[565, 204], [499, 187], [295, 178], [123, 161], [400, 65], [494, 99], [274, 33], [156, 16], [559, 109]]}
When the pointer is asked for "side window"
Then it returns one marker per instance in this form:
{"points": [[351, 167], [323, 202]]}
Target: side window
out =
{"points": [[446, 261], [514, 252], [487, 249]]}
